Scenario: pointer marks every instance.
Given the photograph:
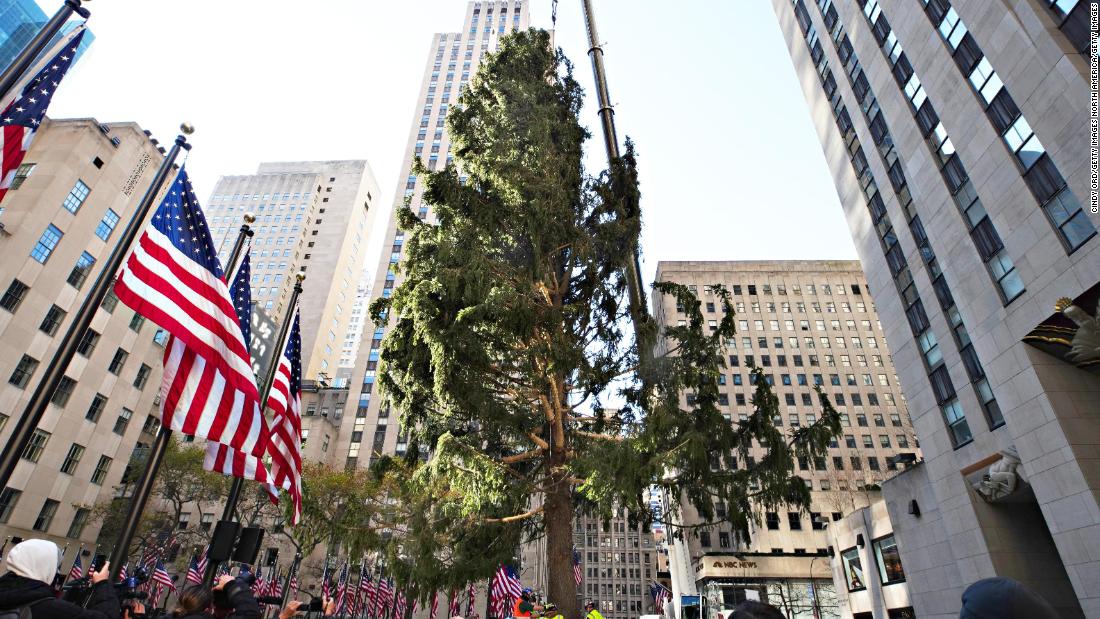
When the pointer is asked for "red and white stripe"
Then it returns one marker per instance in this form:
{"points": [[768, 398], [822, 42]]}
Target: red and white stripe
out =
{"points": [[208, 389], [285, 448]]}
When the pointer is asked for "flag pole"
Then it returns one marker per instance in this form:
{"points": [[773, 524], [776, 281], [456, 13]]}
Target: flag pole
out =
{"points": [[289, 575], [235, 254], [14, 72], [55, 369], [234, 496]]}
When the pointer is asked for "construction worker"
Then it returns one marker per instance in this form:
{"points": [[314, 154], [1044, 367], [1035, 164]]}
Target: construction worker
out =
{"points": [[523, 605], [593, 611], [550, 611]]}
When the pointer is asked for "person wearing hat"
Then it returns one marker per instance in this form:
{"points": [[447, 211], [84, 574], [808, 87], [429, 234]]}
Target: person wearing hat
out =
{"points": [[31, 567], [550, 611], [523, 605], [593, 611], [1003, 598]]}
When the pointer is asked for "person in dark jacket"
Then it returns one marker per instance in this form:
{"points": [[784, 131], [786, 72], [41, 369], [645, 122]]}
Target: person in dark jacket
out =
{"points": [[195, 601], [31, 568]]}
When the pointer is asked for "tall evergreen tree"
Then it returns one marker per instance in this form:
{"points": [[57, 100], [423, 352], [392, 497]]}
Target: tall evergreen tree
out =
{"points": [[509, 331]]}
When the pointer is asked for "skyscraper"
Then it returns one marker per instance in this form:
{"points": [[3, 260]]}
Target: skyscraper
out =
{"points": [[311, 216], [452, 59], [79, 183], [807, 324], [957, 135], [20, 21]]}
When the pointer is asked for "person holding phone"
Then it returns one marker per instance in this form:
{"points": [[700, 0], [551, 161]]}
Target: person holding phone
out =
{"points": [[32, 565], [326, 605], [233, 594]]}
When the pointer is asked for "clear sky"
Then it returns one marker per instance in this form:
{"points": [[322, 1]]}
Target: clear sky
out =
{"points": [[730, 166]]}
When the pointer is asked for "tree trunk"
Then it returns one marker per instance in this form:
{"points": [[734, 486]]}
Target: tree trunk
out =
{"points": [[558, 515]]}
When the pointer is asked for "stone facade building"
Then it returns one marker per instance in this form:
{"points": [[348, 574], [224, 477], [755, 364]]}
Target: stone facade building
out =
{"points": [[957, 133], [77, 188], [805, 323]]}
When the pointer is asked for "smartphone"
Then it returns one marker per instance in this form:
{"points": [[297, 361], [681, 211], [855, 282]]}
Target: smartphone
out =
{"points": [[97, 562]]}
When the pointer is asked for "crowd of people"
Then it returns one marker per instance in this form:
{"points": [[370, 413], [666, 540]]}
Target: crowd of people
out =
{"points": [[26, 591]]}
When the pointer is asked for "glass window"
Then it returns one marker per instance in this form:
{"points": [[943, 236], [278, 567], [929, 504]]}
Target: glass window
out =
{"points": [[853, 570], [36, 446], [72, 459], [13, 296], [21, 175], [8, 498], [52, 321], [81, 269], [107, 225], [45, 516], [76, 197], [47, 243], [889, 561], [101, 468]]}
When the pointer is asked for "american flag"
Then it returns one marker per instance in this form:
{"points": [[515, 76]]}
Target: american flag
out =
{"points": [[435, 604], [504, 589], [456, 606], [399, 606], [285, 446], [222, 458], [661, 596], [23, 113], [342, 588], [194, 574], [259, 587], [173, 278], [275, 585], [77, 570], [366, 585], [325, 591], [576, 566], [471, 594], [122, 573], [384, 596], [161, 577], [294, 584], [203, 560]]}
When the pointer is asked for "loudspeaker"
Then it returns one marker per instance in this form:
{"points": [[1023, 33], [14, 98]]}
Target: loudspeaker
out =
{"points": [[221, 544], [248, 546]]}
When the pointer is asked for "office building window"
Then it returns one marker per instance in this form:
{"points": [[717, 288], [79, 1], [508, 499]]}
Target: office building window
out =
{"points": [[107, 225], [76, 197], [142, 376], [63, 392], [45, 515], [9, 497], [80, 520], [14, 295], [95, 409], [853, 570], [118, 361], [23, 371], [72, 459], [889, 561], [52, 321], [21, 174], [99, 475], [123, 421], [81, 269], [33, 450]]}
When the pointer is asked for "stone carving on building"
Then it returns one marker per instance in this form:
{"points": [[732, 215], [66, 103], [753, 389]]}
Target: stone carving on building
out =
{"points": [[1001, 480], [1085, 345]]}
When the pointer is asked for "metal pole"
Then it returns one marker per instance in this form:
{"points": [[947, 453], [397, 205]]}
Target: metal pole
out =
{"points": [[289, 577], [55, 369], [142, 490], [235, 254], [34, 49], [638, 310]]}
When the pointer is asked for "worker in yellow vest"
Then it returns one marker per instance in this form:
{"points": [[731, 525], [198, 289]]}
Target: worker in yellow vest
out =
{"points": [[592, 610]]}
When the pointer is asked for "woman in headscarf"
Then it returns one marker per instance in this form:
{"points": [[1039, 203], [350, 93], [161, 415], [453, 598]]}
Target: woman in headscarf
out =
{"points": [[31, 567]]}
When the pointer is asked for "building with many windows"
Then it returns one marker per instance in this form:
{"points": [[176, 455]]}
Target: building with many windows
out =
{"points": [[806, 324], [21, 20], [79, 184], [452, 59], [312, 217], [957, 133]]}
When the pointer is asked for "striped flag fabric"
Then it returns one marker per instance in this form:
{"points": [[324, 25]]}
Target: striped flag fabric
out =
{"points": [[285, 401], [661, 596], [77, 570], [385, 596], [342, 588], [162, 577], [364, 591], [275, 585], [456, 605], [194, 574], [173, 277], [204, 559], [122, 572], [435, 605], [294, 584], [222, 458], [471, 595], [325, 591], [504, 589], [23, 113], [400, 604], [577, 566]]}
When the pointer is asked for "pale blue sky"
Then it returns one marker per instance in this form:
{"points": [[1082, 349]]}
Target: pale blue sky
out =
{"points": [[730, 166]]}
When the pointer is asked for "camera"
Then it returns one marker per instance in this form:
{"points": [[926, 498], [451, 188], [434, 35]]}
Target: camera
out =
{"points": [[78, 590]]}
